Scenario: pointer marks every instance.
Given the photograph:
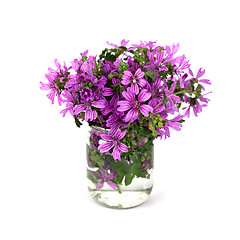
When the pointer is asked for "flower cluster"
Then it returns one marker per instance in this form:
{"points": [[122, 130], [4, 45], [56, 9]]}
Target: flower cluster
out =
{"points": [[128, 88]]}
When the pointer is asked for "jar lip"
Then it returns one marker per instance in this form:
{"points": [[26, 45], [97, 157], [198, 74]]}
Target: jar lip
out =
{"points": [[99, 129]]}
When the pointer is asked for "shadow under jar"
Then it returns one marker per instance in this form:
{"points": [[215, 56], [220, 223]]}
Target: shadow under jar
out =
{"points": [[119, 184]]}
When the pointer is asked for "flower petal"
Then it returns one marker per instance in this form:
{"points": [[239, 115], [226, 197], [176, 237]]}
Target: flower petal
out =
{"points": [[78, 109], [114, 100], [116, 154], [175, 98], [132, 115], [124, 105], [107, 92], [96, 175], [175, 125], [119, 135], [84, 67], [190, 72], [104, 171], [107, 137], [200, 73], [126, 81], [105, 147], [129, 96], [127, 75], [187, 113], [89, 114], [142, 82], [139, 73], [159, 57], [206, 81], [112, 174], [112, 185], [122, 147], [134, 88], [144, 95], [145, 109], [99, 104], [100, 184]]}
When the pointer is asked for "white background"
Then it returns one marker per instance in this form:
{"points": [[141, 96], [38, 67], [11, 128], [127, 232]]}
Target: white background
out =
{"points": [[43, 192]]}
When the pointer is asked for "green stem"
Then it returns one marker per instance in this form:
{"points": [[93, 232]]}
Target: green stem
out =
{"points": [[138, 136], [96, 65], [99, 120], [181, 92], [119, 188], [157, 105]]}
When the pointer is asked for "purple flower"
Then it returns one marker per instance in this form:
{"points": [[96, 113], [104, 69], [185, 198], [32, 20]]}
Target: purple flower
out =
{"points": [[52, 76], [156, 61], [54, 90], [115, 121], [174, 50], [173, 123], [113, 141], [157, 105], [84, 67], [154, 88], [60, 73], [170, 93], [200, 74], [70, 100], [182, 63], [130, 102], [105, 178], [123, 44], [197, 107], [89, 114], [86, 94], [136, 80], [84, 53]]}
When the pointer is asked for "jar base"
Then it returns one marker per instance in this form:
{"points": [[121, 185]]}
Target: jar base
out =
{"points": [[114, 199]]}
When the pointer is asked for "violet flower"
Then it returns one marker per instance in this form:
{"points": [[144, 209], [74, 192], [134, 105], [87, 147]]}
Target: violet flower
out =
{"points": [[170, 93], [86, 94], [173, 123], [89, 114], [54, 90], [136, 80], [197, 107], [123, 44], [200, 74], [134, 106], [116, 121], [105, 178], [70, 99], [154, 87], [113, 141]]}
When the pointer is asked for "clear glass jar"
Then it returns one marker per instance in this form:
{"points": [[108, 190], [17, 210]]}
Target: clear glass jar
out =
{"points": [[119, 184]]}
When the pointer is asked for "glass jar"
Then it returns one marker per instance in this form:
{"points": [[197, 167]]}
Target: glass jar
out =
{"points": [[119, 184]]}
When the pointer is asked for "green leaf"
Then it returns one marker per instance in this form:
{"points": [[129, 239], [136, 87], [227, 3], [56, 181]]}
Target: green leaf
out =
{"points": [[84, 58], [91, 178], [78, 123], [154, 133], [123, 48], [119, 188], [120, 177], [96, 158], [128, 179], [151, 74]]}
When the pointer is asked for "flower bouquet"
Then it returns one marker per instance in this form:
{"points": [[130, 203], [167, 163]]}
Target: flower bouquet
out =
{"points": [[130, 95]]}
